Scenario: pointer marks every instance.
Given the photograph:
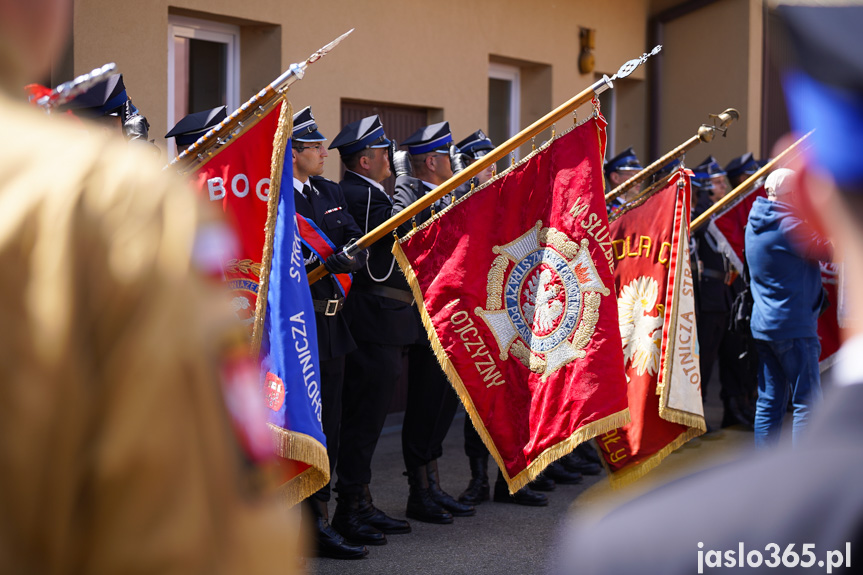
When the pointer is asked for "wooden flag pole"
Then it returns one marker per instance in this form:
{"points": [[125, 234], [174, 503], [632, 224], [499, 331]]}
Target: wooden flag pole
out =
{"points": [[746, 186], [705, 134], [493, 156]]}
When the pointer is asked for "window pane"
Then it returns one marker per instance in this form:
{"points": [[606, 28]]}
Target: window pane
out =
{"points": [[208, 67], [499, 108]]}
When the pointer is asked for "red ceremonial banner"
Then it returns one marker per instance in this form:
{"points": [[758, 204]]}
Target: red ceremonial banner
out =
{"points": [[238, 179], [514, 285], [828, 323], [656, 311], [728, 227]]}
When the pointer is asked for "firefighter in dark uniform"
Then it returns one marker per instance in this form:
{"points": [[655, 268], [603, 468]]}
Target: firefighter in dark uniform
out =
{"points": [[738, 363], [187, 131], [108, 105], [321, 201], [617, 170], [431, 401], [378, 311], [710, 268]]}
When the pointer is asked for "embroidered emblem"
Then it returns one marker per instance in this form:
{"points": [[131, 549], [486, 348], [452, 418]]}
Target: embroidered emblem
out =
{"points": [[543, 296], [641, 331], [274, 392], [243, 293]]}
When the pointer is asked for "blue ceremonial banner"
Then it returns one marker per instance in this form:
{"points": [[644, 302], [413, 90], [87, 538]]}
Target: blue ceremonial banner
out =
{"points": [[288, 339]]}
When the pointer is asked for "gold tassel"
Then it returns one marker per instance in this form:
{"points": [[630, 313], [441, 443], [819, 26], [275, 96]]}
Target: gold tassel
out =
{"points": [[283, 132]]}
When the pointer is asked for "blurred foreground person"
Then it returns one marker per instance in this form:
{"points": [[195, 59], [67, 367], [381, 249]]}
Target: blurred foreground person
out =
{"points": [[117, 449], [745, 516]]}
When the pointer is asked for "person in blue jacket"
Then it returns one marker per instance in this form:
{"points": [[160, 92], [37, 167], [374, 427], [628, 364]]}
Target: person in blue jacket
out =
{"points": [[783, 252]]}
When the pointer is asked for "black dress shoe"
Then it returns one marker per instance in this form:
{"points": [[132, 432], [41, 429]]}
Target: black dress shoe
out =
{"points": [[477, 489], [542, 483], [560, 475], [734, 414], [586, 451], [443, 498], [378, 519], [420, 504], [349, 523], [328, 542], [574, 462], [524, 496]]}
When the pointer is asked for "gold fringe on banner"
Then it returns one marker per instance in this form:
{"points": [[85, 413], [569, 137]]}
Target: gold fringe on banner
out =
{"points": [[553, 453], [301, 447], [635, 472], [289, 444]]}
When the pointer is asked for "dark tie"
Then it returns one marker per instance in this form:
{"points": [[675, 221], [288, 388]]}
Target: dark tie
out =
{"points": [[307, 191]]}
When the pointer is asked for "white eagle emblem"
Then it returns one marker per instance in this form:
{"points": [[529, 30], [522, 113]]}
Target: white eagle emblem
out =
{"points": [[542, 307], [640, 331], [543, 299]]}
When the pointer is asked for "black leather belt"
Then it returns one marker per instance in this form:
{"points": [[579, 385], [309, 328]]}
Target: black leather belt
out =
{"points": [[386, 291], [328, 307], [713, 274]]}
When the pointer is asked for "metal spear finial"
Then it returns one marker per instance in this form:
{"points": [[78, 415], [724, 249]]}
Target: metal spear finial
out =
{"points": [[326, 49], [630, 66]]}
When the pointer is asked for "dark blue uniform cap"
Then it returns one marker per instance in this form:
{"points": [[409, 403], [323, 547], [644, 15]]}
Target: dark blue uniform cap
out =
{"points": [[668, 168], [104, 99], [434, 138], [189, 129], [745, 164], [824, 89], [707, 169], [305, 128], [625, 160], [359, 135], [476, 145]]}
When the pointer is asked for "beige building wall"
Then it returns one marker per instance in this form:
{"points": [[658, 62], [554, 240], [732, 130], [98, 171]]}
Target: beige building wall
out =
{"points": [[712, 60], [410, 52]]}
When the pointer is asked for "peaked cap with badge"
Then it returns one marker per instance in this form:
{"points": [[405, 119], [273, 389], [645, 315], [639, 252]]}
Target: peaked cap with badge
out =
{"points": [[360, 135], [187, 131], [104, 99], [434, 138], [625, 160], [476, 145], [305, 127]]}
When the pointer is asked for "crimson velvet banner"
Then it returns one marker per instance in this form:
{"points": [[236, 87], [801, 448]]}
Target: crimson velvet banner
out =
{"points": [[514, 285], [727, 229], [251, 180], [656, 310]]}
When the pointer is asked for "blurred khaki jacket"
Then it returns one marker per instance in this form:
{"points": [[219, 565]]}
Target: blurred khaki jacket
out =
{"points": [[116, 454]]}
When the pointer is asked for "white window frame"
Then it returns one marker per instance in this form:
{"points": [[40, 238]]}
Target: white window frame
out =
{"points": [[184, 27], [512, 74]]}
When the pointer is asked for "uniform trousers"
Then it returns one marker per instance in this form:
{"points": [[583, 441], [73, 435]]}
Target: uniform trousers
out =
{"points": [[431, 407], [371, 374], [332, 376], [474, 448], [712, 326]]}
